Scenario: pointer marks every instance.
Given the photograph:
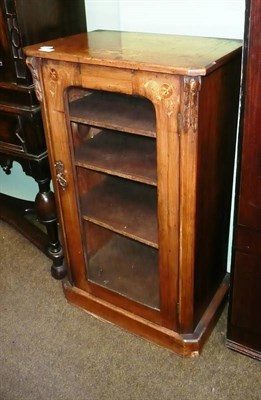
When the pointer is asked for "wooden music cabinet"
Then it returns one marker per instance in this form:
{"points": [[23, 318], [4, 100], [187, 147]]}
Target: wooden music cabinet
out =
{"points": [[141, 132], [21, 130], [244, 317]]}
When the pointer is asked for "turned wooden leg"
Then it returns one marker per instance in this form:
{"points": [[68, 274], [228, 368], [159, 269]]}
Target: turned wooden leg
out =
{"points": [[45, 209], [46, 212]]}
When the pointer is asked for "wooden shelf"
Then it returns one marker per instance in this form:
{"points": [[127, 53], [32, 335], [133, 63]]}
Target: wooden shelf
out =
{"points": [[128, 268], [115, 111], [124, 155], [128, 208]]}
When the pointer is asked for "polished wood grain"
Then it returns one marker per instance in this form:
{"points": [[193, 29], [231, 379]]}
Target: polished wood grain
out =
{"points": [[139, 208], [244, 327], [214, 193], [151, 52]]}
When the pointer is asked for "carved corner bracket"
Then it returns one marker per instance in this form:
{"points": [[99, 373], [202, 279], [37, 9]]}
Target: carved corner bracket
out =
{"points": [[191, 93], [33, 64]]}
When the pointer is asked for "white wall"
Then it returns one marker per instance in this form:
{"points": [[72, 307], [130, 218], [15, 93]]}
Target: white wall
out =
{"points": [[18, 184], [216, 18]]}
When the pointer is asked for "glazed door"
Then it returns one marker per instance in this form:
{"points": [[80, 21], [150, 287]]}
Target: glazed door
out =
{"points": [[119, 197]]}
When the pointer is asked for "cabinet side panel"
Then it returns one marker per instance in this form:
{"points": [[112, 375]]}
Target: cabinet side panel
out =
{"points": [[244, 316], [218, 109], [249, 207], [245, 313], [29, 22], [50, 19], [12, 56]]}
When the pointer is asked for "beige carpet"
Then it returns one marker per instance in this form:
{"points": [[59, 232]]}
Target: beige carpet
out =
{"points": [[50, 350]]}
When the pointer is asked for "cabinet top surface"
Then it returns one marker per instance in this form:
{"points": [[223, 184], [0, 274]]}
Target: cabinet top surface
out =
{"points": [[189, 55]]}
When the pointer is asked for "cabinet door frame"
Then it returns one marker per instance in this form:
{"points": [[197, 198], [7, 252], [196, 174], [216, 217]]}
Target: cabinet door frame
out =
{"points": [[163, 91]]}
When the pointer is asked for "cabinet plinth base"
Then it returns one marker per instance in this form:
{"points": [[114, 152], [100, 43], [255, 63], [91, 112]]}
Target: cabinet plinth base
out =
{"points": [[187, 345], [247, 351]]}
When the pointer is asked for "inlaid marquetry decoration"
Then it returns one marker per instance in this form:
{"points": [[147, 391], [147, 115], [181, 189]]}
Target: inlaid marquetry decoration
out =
{"points": [[162, 92], [53, 74]]}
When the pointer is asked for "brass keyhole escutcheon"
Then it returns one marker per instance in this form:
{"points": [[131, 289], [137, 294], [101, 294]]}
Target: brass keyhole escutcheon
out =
{"points": [[60, 176]]}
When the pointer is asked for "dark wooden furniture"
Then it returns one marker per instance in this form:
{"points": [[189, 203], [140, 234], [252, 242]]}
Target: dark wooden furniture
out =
{"points": [[244, 321], [141, 131], [21, 129]]}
